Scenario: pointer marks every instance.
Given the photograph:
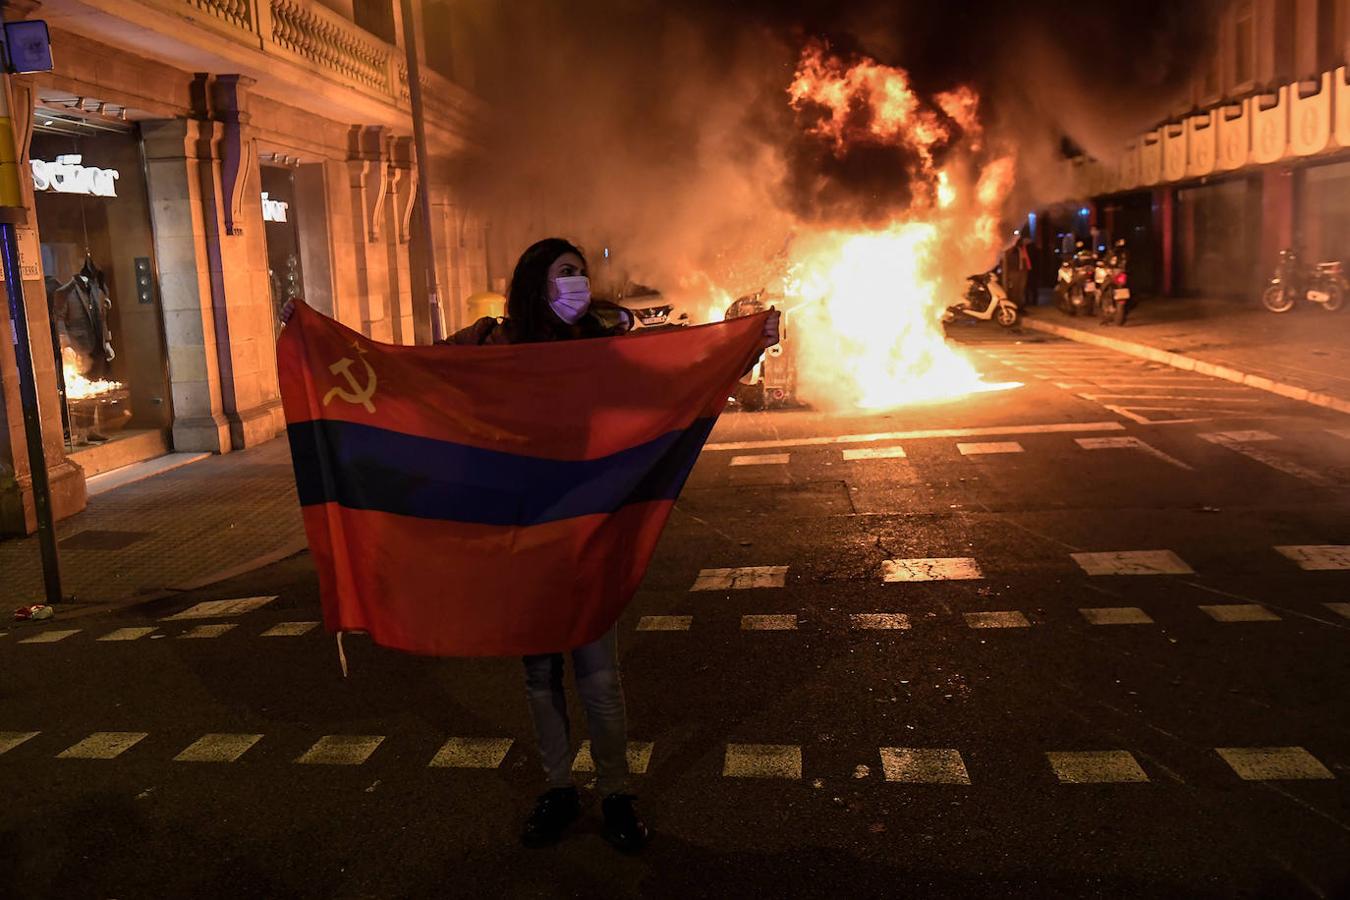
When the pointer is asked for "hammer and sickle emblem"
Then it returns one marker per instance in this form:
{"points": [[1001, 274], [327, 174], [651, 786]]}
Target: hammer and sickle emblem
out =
{"points": [[358, 394]]}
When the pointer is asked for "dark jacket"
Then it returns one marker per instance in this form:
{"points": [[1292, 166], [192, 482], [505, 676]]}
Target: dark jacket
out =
{"points": [[603, 319]]}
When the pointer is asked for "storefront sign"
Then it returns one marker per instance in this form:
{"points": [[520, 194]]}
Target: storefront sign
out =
{"points": [[274, 210], [30, 255], [67, 176]]}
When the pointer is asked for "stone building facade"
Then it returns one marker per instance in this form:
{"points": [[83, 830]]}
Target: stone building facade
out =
{"points": [[196, 163]]}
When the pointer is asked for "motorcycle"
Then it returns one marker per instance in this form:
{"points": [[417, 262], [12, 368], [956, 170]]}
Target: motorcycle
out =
{"points": [[1324, 284], [1112, 282], [985, 300], [1075, 289]]}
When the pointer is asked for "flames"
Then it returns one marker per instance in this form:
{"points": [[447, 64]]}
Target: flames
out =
{"points": [[866, 302], [77, 386]]}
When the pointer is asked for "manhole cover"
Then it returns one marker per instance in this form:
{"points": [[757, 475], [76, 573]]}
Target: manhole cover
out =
{"points": [[96, 539]]}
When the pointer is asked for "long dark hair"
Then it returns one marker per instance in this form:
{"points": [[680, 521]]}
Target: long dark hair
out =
{"points": [[527, 299]]}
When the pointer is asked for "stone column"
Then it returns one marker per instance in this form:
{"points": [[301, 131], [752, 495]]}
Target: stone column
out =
{"points": [[367, 159]]}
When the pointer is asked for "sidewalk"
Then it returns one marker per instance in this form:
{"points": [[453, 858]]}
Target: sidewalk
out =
{"points": [[1304, 355], [222, 515]]}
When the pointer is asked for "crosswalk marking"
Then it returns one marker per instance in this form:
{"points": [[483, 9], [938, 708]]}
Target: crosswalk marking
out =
{"points": [[128, 634], [880, 621], [1003, 619], [1340, 609], [218, 748], [1239, 612], [762, 459], [923, 765], [341, 750], [1318, 557], [925, 434], [1116, 615], [639, 757], [1132, 562], [290, 629], [930, 569], [769, 623], [1273, 763], [103, 745], [665, 623], [11, 739], [218, 609], [739, 579], [471, 753], [50, 636], [1248, 443], [988, 447], [1096, 767], [1132, 443], [875, 453], [213, 630], [763, 761]]}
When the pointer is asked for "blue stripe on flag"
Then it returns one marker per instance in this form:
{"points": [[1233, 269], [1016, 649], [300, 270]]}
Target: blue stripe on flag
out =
{"points": [[363, 467]]}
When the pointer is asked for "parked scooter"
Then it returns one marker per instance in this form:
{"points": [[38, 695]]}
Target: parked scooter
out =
{"points": [[985, 300], [1075, 291], [1112, 281], [1324, 284]]}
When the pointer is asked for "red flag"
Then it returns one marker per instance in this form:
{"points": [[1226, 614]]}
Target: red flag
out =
{"points": [[494, 500]]}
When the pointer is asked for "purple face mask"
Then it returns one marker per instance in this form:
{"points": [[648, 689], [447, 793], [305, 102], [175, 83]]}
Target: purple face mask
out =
{"points": [[574, 298]]}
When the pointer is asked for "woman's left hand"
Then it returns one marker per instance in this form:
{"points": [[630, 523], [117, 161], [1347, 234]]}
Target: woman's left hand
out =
{"points": [[771, 324]]}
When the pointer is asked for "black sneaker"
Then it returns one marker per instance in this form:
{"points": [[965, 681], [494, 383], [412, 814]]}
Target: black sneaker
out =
{"points": [[553, 812], [623, 828]]}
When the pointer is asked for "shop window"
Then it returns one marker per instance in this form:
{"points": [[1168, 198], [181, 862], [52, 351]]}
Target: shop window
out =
{"points": [[438, 23], [1244, 43], [284, 272], [1325, 215], [1214, 240], [98, 266], [377, 17]]}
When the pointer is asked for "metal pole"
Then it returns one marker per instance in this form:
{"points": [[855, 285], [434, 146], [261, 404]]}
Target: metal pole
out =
{"points": [[423, 170], [11, 212]]}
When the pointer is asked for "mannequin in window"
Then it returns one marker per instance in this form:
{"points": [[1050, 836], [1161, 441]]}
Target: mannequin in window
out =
{"points": [[80, 310]]}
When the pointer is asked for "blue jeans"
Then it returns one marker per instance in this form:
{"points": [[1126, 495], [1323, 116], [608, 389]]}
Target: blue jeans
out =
{"points": [[596, 667]]}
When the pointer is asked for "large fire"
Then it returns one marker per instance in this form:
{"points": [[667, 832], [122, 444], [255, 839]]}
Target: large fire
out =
{"points": [[865, 303]]}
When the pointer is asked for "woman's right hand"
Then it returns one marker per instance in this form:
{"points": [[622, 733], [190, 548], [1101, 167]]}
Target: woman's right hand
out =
{"points": [[287, 311]]}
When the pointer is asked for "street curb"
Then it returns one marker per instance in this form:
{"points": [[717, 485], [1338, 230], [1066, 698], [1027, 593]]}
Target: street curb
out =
{"points": [[1192, 364]]}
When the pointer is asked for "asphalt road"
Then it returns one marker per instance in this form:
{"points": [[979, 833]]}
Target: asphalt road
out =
{"points": [[963, 729]]}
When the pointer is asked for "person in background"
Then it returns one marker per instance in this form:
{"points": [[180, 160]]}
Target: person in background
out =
{"points": [[1017, 270]]}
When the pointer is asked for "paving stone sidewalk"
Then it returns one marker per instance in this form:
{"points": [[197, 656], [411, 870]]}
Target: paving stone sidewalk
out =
{"points": [[219, 515], [1303, 354]]}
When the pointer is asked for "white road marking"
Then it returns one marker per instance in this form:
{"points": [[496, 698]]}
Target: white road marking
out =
{"points": [[128, 634], [880, 621], [1340, 609], [11, 739], [471, 753], [1239, 612], [214, 630], [1132, 562], [740, 578], [1318, 557], [1340, 432], [769, 623], [930, 569], [1144, 420], [922, 765], [1116, 615], [980, 449], [219, 609], [1131, 443], [763, 761], [1166, 397], [1055, 428], [1273, 763], [341, 750], [875, 453], [50, 636], [762, 459], [665, 623], [289, 629], [1096, 767], [639, 757], [1245, 442], [1002, 619], [218, 748], [103, 745]]}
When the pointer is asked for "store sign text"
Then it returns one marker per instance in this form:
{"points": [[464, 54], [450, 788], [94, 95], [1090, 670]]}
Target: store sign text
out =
{"points": [[66, 176], [273, 210]]}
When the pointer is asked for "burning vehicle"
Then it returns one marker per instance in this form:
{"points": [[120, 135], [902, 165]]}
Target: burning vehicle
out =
{"points": [[651, 308], [773, 380]]}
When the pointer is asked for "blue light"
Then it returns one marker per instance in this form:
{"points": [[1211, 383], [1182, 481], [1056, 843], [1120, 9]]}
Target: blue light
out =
{"points": [[606, 253], [1085, 212]]}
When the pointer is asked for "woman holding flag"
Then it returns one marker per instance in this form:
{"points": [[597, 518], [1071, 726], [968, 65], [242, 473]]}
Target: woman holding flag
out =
{"points": [[549, 300]]}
